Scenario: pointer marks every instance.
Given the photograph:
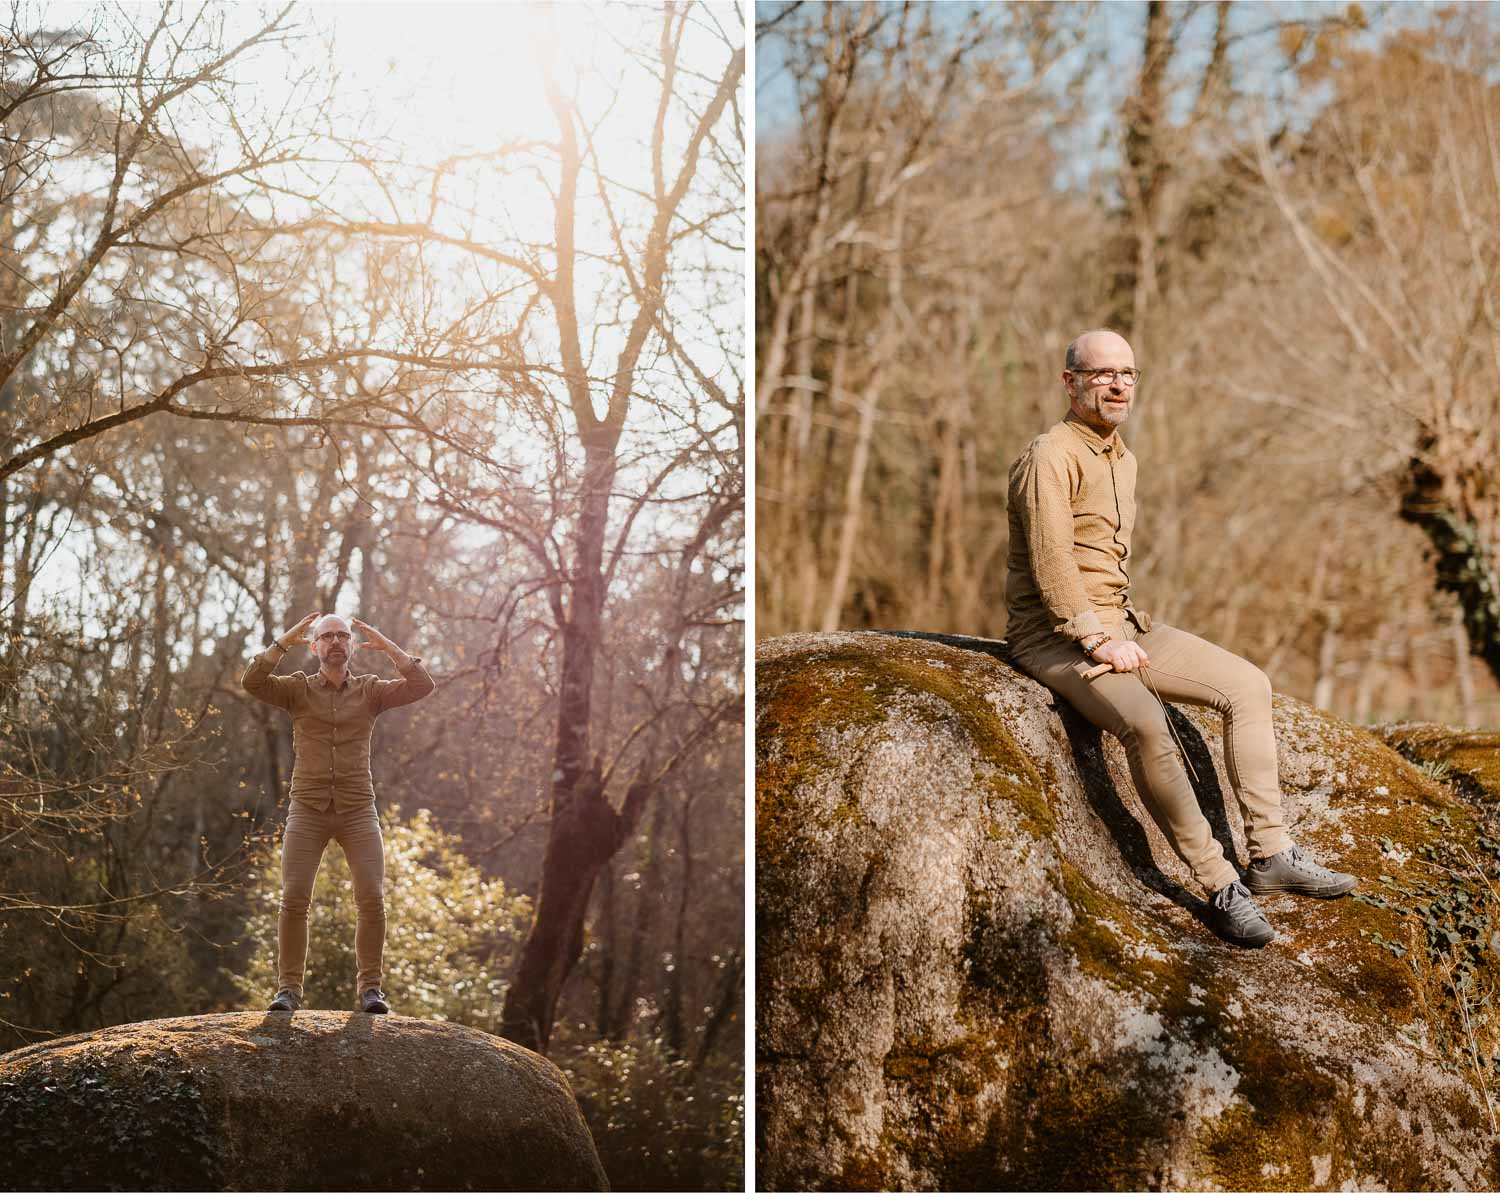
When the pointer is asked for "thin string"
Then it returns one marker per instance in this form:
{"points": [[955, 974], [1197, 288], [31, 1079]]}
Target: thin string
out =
{"points": [[1146, 673]]}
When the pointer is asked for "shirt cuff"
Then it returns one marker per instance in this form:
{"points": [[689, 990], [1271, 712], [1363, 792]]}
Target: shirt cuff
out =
{"points": [[1085, 624]]}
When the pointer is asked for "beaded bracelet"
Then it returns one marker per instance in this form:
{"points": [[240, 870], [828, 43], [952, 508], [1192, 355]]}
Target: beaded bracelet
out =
{"points": [[1088, 651]]}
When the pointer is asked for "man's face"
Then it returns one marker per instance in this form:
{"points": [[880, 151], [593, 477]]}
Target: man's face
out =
{"points": [[1103, 400], [332, 640]]}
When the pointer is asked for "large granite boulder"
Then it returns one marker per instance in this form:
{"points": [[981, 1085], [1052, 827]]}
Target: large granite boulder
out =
{"points": [[980, 965], [316, 1100]]}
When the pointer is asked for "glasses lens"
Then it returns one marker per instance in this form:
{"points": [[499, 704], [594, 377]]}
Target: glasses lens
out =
{"points": [[331, 637], [1110, 376]]}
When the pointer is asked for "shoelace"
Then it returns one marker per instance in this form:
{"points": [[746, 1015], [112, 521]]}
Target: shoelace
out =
{"points": [[1234, 893], [1300, 861]]}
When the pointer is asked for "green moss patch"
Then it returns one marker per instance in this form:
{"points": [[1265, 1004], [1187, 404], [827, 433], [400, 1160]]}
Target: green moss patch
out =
{"points": [[93, 1125], [1292, 1110], [798, 702], [1467, 762], [807, 703], [1113, 941], [1086, 1128], [1061, 1126]]}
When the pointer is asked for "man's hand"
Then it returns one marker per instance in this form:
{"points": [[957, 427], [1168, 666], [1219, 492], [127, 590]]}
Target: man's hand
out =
{"points": [[298, 633], [377, 640], [1121, 655]]}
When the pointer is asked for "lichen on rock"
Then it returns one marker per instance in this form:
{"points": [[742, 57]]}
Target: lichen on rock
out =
{"points": [[980, 964]]}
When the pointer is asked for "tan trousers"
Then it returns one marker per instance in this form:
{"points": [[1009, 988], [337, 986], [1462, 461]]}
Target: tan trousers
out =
{"points": [[1188, 670], [308, 832]]}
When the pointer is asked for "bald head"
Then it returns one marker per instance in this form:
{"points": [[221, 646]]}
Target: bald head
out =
{"points": [[1089, 350]]}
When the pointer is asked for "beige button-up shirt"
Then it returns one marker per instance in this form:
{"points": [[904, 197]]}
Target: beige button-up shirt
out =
{"points": [[331, 726], [1072, 510]]}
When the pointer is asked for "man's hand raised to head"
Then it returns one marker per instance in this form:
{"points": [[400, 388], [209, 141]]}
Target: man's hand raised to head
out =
{"points": [[376, 640], [298, 633], [379, 641]]}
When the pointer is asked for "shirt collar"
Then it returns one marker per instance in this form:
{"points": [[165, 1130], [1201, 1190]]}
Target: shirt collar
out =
{"points": [[349, 678], [1094, 441]]}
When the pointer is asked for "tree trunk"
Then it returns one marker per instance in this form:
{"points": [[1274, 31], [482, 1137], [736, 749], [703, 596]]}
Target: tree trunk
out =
{"points": [[676, 1031], [584, 831], [645, 921], [604, 1022], [581, 839], [1467, 700], [1323, 689], [724, 1008], [1465, 566]]}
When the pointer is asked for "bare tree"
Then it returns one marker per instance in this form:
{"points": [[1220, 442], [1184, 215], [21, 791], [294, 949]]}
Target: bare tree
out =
{"points": [[894, 215], [141, 213], [1387, 202], [640, 428]]}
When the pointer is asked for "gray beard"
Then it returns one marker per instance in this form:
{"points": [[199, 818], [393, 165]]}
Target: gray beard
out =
{"points": [[1109, 415]]}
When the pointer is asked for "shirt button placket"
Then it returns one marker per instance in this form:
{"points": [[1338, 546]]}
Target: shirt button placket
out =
{"points": [[333, 745]]}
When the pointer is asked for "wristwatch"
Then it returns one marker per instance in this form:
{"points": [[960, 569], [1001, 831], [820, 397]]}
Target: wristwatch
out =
{"points": [[275, 641]]}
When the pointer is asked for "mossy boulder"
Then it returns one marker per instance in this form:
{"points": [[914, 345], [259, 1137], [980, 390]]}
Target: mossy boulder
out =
{"points": [[316, 1100], [980, 964]]}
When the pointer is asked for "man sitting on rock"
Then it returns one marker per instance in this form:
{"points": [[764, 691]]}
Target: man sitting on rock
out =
{"points": [[333, 796], [1072, 509]]}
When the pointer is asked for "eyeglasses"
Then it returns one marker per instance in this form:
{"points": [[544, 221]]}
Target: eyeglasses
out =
{"points": [[335, 636], [1126, 377]]}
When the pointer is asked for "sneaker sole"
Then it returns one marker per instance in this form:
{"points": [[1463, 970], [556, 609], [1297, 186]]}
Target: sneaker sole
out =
{"points": [[1244, 942], [1334, 893]]}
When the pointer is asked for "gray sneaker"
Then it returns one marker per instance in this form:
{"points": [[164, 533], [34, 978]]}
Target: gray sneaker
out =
{"points": [[285, 1000], [1234, 916], [1293, 870]]}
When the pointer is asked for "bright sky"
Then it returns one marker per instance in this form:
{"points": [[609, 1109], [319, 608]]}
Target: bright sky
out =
{"points": [[428, 81], [1113, 45], [442, 76], [449, 78], [432, 80]]}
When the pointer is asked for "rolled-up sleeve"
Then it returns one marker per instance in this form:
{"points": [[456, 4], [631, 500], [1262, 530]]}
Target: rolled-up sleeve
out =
{"points": [[1041, 493], [265, 687], [414, 684]]}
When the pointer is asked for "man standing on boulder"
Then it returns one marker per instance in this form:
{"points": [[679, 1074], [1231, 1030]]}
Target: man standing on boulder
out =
{"points": [[1072, 510], [333, 796]]}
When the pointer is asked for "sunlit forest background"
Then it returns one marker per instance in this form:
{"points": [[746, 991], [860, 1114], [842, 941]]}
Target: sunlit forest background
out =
{"points": [[1293, 213], [288, 325]]}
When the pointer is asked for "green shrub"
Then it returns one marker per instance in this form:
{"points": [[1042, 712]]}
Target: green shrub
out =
{"points": [[451, 934], [658, 1122]]}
